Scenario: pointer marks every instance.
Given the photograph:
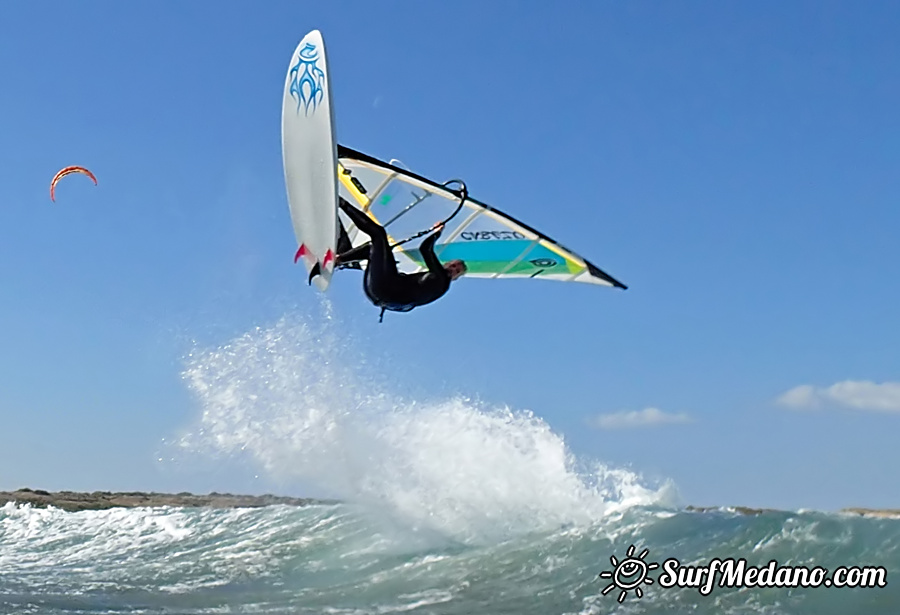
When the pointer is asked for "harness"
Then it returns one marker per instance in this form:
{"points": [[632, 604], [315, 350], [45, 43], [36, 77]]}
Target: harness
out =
{"points": [[393, 308]]}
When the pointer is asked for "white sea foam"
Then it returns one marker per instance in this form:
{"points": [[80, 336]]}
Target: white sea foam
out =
{"points": [[156, 548], [301, 403]]}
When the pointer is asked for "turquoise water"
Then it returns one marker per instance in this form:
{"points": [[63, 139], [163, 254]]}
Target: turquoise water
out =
{"points": [[339, 559]]}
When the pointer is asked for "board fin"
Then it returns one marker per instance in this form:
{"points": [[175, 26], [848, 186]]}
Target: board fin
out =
{"points": [[301, 252], [316, 270]]}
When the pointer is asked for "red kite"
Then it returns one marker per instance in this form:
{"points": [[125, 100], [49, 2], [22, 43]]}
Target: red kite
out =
{"points": [[69, 171]]}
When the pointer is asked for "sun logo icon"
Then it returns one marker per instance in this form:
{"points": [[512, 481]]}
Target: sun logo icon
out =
{"points": [[628, 574]]}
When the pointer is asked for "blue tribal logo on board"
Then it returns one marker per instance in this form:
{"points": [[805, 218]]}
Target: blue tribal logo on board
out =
{"points": [[307, 80]]}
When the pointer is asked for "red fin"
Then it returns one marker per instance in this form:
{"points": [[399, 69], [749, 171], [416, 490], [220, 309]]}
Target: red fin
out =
{"points": [[329, 257], [302, 251]]}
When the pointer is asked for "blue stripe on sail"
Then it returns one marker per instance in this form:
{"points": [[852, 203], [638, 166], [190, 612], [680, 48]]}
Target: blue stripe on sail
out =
{"points": [[498, 251]]}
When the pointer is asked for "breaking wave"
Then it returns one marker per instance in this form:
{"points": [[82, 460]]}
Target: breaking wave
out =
{"points": [[301, 403]]}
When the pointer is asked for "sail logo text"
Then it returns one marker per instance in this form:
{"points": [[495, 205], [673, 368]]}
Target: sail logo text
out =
{"points": [[737, 573], [632, 573], [488, 235]]}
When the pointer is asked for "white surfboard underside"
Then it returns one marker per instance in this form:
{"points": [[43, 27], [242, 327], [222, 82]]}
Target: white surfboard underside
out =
{"points": [[309, 152]]}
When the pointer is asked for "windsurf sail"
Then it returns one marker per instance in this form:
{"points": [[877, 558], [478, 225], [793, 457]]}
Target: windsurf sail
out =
{"points": [[492, 243]]}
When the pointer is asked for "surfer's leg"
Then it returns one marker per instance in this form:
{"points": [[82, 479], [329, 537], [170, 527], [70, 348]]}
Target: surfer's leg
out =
{"points": [[353, 255], [381, 272], [380, 254], [362, 220], [381, 275]]}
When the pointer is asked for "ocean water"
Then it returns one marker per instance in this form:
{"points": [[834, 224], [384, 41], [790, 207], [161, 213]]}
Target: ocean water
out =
{"points": [[338, 560], [447, 506]]}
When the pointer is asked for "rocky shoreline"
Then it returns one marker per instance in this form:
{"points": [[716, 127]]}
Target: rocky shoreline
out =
{"points": [[73, 501], [880, 513]]}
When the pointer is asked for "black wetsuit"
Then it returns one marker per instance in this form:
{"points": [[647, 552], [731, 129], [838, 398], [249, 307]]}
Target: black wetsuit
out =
{"points": [[385, 286]]}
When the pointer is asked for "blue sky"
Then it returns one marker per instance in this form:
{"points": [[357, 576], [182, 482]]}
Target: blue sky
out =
{"points": [[734, 165]]}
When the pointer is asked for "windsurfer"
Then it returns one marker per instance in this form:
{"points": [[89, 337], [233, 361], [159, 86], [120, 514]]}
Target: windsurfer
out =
{"points": [[384, 285]]}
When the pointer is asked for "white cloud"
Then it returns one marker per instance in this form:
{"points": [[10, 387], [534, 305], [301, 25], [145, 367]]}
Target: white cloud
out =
{"points": [[803, 396], [857, 394], [647, 417]]}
